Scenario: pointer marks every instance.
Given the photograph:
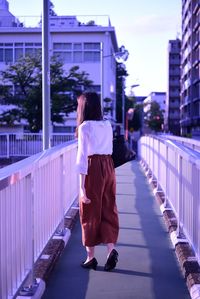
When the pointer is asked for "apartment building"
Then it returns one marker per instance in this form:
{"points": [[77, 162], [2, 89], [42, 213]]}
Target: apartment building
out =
{"points": [[89, 42], [172, 116], [190, 69]]}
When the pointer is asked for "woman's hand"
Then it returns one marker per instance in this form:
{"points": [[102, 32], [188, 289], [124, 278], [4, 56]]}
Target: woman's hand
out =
{"points": [[83, 197]]}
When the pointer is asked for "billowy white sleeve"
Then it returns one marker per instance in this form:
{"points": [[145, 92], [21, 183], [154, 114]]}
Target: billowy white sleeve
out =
{"points": [[82, 154]]}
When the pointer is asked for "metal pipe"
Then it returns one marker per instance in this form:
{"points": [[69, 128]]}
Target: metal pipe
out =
{"points": [[123, 105], [102, 76], [45, 76]]}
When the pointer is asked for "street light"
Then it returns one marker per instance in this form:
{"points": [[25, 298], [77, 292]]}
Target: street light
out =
{"points": [[120, 56]]}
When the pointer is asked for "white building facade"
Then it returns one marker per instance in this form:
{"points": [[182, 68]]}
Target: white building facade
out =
{"points": [[159, 97], [89, 45]]}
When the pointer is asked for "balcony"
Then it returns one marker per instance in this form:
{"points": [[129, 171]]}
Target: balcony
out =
{"points": [[196, 7]]}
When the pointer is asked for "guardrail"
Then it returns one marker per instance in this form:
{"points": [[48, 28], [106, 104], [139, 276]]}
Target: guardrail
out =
{"points": [[35, 195], [176, 169], [27, 144], [189, 142]]}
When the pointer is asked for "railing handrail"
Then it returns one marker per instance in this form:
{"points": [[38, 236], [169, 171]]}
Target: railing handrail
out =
{"points": [[35, 194], [24, 165], [26, 144], [175, 169]]}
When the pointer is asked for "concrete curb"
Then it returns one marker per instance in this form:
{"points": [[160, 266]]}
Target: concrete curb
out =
{"points": [[49, 257], [184, 252]]}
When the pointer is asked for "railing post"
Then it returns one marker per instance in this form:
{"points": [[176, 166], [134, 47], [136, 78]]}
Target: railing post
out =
{"points": [[7, 145], [152, 167], [31, 283], [62, 232], [167, 179], [62, 207], [179, 194]]}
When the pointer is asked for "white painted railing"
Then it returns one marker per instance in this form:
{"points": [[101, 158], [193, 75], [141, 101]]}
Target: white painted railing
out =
{"points": [[27, 144], [190, 142], [35, 194], [176, 170]]}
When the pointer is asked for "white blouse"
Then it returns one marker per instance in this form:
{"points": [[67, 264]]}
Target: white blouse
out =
{"points": [[94, 137]]}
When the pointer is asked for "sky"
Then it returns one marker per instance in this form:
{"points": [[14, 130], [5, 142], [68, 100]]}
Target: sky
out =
{"points": [[144, 27]]}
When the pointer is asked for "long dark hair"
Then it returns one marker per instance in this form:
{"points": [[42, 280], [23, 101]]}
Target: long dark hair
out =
{"points": [[89, 107]]}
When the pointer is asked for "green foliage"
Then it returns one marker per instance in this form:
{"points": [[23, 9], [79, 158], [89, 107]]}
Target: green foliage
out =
{"points": [[51, 9], [154, 118], [135, 123], [26, 101], [121, 73]]}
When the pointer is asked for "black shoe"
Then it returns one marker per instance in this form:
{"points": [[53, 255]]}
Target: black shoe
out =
{"points": [[92, 264], [111, 261]]}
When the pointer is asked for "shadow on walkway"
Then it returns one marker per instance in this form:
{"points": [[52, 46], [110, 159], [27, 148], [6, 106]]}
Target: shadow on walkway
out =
{"points": [[147, 267]]}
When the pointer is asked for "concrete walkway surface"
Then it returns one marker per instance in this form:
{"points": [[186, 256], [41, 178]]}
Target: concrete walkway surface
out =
{"points": [[147, 267]]}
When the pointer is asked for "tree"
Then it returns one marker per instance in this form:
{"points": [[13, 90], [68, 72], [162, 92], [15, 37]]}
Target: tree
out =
{"points": [[51, 9], [154, 118], [121, 72], [134, 121], [26, 101]]}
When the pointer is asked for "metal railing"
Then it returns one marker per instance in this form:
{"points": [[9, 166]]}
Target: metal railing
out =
{"points": [[176, 169], [189, 142], [24, 22], [27, 144], [35, 195]]}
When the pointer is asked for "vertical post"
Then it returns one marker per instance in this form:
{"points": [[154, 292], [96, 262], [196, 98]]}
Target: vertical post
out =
{"points": [[123, 105], [102, 76], [179, 208], [45, 76], [167, 177], [62, 204], [8, 145]]}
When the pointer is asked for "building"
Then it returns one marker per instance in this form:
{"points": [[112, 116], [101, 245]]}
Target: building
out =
{"points": [[190, 69], [172, 116], [159, 97], [89, 43]]}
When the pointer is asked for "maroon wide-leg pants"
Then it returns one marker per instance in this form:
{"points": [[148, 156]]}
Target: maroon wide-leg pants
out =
{"points": [[99, 219]]}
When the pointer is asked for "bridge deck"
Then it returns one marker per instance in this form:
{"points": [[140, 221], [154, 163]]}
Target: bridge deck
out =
{"points": [[147, 267]]}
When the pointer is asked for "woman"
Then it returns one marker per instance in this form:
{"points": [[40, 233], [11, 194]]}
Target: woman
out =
{"points": [[98, 211]]}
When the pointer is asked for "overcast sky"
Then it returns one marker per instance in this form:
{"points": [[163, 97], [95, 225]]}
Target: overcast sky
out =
{"points": [[143, 27]]}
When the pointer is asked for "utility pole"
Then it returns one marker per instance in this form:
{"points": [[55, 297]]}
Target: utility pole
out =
{"points": [[46, 122]]}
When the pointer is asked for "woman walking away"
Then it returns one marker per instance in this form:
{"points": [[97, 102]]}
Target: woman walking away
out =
{"points": [[98, 210]]}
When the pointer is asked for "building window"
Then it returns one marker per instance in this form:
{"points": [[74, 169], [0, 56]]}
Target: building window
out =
{"points": [[63, 51], [91, 56], [1, 55], [33, 49], [10, 52], [18, 54], [77, 46], [77, 56], [8, 55], [91, 52], [62, 46], [91, 46], [66, 57], [77, 53], [29, 52]]}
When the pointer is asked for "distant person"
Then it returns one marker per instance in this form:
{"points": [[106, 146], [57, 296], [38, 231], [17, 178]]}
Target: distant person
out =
{"points": [[98, 210]]}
